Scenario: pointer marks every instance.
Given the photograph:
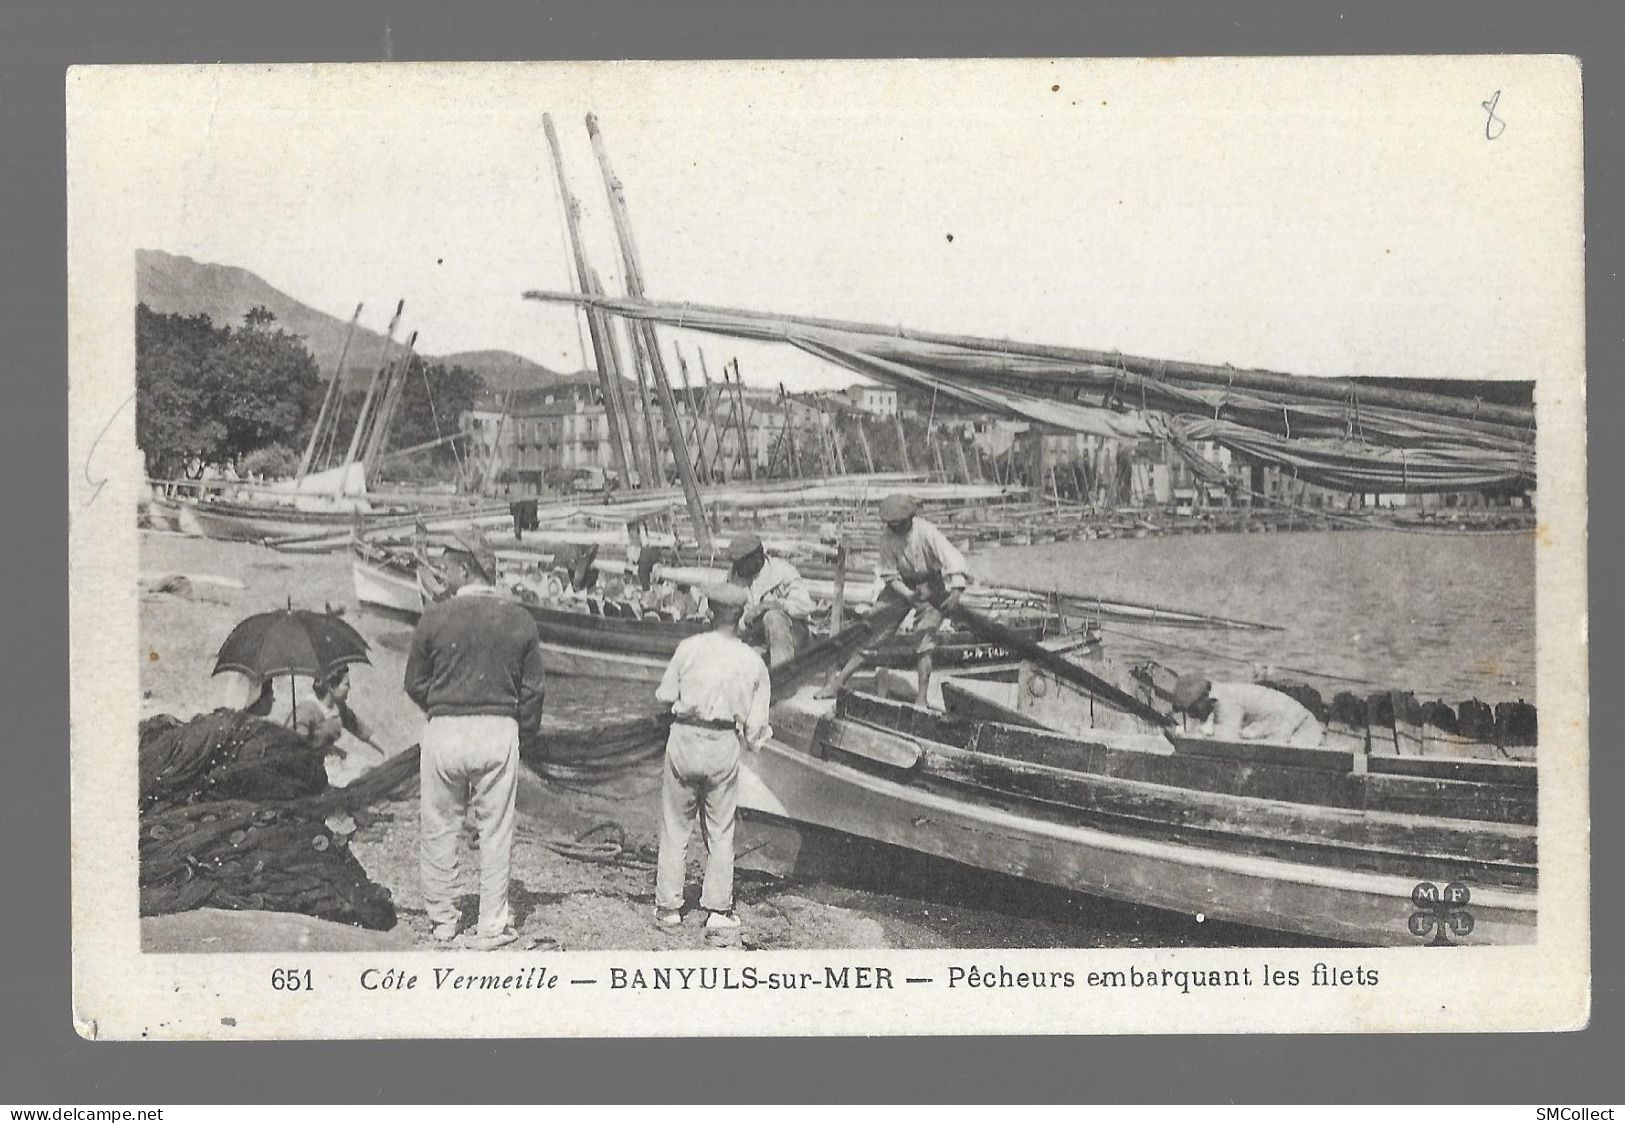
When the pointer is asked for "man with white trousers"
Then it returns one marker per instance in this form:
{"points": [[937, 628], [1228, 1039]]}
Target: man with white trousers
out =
{"points": [[719, 694], [476, 668]]}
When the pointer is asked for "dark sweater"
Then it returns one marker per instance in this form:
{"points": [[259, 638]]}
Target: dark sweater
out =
{"points": [[477, 654]]}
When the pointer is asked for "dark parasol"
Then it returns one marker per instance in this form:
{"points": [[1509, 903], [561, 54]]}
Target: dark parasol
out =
{"points": [[292, 641]]}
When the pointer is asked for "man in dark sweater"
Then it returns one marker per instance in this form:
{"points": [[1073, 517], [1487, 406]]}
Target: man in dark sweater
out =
{"points": [[476, 669]]}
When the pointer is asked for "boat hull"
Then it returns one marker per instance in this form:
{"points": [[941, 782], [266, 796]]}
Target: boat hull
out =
{"points": [[790, 779]]}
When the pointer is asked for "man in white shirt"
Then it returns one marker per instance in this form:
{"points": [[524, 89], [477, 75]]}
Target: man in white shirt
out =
{"points": [[917, 566], [719, 694], [1246, 711], [777, 605]]}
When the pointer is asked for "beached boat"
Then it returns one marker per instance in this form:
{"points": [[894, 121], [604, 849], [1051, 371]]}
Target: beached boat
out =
{"points": [[1352, 844], [594, 636]]}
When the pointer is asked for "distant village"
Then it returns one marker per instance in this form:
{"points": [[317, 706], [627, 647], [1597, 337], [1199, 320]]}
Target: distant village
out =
{"points": [[552, 439]]}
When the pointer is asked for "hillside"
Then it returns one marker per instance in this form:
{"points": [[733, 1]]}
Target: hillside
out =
{"points": [[171, 283]]}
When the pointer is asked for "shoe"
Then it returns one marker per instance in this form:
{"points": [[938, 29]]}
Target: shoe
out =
{"points": [[668, 918], [722, 920], [445, 933], [490, 943]]}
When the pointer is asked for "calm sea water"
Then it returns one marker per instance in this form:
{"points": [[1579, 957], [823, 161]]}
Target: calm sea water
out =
{"points": [[1448, 616]]}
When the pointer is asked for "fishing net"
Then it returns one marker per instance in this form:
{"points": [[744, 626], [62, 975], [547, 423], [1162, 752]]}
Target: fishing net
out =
{"points": [[238, 854], [227, 754]]}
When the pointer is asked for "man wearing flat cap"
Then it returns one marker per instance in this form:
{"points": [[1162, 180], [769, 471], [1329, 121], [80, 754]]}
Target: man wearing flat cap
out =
{"points": [[719, 694], [917, 566], [476, 669], [777, 604], [1246, 711]]}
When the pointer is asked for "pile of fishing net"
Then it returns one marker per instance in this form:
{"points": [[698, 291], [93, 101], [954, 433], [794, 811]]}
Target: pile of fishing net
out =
{"points": [[238, 854], [233, 815], [227, 754]]}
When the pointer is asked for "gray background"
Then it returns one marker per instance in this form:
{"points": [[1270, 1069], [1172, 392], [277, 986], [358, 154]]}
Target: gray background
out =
{"points": [[43, 1063]]}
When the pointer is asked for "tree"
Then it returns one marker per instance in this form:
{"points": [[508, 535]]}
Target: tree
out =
{"points": [[219, 392], [433, 401]]}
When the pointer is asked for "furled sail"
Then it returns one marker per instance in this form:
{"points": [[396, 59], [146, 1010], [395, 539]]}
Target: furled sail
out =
{"points": [[1336, 433]]}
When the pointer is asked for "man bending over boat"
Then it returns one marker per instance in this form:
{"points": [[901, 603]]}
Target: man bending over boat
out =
{"points": [[920, 567], [1246, 711], [777, 605], [719, 694]]}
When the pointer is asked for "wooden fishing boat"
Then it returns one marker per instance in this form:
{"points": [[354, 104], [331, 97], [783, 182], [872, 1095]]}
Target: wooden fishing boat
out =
{"points": [[591, 636], [1335, 843]]}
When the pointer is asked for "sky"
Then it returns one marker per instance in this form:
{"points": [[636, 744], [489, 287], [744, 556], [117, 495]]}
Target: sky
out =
{"points": [[1325, 217]]}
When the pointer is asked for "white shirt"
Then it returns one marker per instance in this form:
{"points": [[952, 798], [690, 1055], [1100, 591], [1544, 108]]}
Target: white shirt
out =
{"points": [[779, 579], [920, 554], [718, 677]]}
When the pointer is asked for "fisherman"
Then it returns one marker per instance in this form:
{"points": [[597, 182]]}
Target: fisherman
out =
{"points": [[777, 606], [920, 567], [1246, 711], [476, 668], [718, 689]]}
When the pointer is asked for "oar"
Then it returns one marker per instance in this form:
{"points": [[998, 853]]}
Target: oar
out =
{"points": [[994, 632], [830, 651]]}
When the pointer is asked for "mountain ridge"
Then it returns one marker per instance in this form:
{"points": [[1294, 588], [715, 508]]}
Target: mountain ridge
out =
{"points": [[177, 284]]}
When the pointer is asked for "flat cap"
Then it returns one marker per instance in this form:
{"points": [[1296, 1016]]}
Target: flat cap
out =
{"points": [[1189, 690], [471, 544], [896, 508], [743, 545]]}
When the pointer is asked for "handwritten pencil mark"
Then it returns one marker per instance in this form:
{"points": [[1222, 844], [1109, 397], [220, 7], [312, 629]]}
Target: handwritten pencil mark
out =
{"points": [[91, 455], [1493, 125]]}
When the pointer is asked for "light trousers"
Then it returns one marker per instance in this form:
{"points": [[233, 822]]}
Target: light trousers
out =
{"points": [[785, 636], [701, 780], [469, 763]]}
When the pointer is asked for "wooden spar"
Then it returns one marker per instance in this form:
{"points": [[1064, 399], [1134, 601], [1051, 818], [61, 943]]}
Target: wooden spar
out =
{"points": [[656, 452], [826, 452], [835, 440], [790, 431], [333, 391], [1325, 389], [634, 288], [369, 442], [863, 443], [596, 322], [964, 468], [645, 454], [386, 411], [934, 439], [693, 416], [1061, 668], [902, 442], [719, 464], [425, 446], [744, 423], [372, 384], [837, 604], [652, 469], [981, 467]]}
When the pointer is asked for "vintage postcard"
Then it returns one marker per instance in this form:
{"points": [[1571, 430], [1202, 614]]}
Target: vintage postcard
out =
{"points": [[894, 547]]}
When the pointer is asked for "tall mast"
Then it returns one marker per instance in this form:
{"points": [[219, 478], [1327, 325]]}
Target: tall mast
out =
{"points": [[720, 464], [386, 410], [639, 456], [744, 422], [327, 401], [693, 417], [634, 288], [372, 384], [596, 322]]}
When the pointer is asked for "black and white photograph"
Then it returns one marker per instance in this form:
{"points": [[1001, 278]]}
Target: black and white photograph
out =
{"points": [[1041, 540]]}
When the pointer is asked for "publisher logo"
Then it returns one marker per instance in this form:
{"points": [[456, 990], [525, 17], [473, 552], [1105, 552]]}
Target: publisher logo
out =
{"points": [[1441, 913]]}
